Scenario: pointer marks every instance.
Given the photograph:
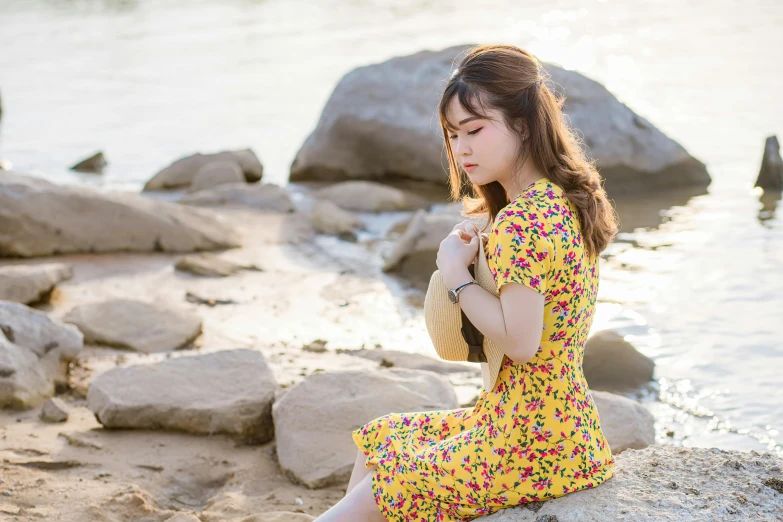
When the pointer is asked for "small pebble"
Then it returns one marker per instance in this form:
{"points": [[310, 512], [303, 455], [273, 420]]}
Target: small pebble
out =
{"points": [[6, 493], [775, 468], [299, 501]]}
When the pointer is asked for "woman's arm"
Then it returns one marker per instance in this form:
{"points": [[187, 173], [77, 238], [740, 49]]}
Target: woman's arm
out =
{"points": [[514, 322]]}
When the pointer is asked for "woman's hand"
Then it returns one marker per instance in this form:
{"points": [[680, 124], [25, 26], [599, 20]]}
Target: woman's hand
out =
{"points": [[457, 251]]}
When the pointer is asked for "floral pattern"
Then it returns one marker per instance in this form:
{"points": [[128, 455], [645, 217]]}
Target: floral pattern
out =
{"points": [[537, 434]]}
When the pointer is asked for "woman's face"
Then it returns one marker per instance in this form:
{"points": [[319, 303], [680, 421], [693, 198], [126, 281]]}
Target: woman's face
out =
{"points": [[485, 148]]}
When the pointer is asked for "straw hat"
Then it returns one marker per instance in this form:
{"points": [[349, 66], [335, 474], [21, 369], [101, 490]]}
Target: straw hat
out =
{"points": [[453, 335]]}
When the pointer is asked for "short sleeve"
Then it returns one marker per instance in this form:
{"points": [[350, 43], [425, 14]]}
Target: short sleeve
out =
{"points": [[520, 250]]}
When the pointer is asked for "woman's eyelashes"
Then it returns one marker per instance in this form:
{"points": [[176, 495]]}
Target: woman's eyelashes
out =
{"points": [[453, 136]]}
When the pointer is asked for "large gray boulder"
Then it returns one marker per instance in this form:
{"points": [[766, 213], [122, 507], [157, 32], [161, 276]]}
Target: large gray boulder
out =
{"points": [[138, 325], [39, 218], [672, 484], [35, 351], [612, 363], [259, 196], [228, 392], [314, 419], [381, 120], [31, 283], [180, 173], [412, 361], [625, 423]]}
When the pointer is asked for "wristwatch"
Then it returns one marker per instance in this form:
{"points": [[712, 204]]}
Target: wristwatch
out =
{"points": [[454, 294]]}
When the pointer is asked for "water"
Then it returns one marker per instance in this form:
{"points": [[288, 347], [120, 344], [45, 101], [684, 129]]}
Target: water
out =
{"points": [[694, 282]]}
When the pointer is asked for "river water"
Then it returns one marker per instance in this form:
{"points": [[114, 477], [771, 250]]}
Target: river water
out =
{"points": [[694, 280]]}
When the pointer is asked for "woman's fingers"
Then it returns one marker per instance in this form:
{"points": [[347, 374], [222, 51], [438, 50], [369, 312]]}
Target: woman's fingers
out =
{"points": [[466, 226]]}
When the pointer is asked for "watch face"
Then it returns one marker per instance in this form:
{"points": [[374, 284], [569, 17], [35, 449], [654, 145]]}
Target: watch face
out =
{"points": [[452, 296]]}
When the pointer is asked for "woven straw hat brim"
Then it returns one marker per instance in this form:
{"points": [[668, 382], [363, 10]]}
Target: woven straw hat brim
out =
{"points": [[444, 321]]}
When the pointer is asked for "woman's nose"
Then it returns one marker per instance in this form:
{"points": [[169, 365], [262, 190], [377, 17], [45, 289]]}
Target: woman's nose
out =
{"points": [[461, 147]]}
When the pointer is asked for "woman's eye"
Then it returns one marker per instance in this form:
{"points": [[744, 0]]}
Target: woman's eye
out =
{"points": [[475, 131], [452, 136]]}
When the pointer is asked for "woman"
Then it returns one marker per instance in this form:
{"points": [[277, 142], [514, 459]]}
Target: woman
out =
{"points": [[536, 434]]}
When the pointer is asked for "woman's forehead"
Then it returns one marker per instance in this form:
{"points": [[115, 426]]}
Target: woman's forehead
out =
{"points": [[456, 113]]}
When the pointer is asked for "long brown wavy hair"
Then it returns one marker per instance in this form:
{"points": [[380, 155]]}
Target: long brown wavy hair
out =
{"points": [[511, 80]]}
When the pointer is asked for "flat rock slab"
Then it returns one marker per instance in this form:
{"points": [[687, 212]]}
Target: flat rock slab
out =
{"points": [[314, 419], [38, 332], [228, 392], [137, 325], [259, 196], [29, 284], [672, 484], [369, 196], [413, 361], [39, 218]]}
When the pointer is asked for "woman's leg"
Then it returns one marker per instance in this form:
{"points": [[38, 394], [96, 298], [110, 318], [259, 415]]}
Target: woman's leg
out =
{"points": [[360, 470], [357, 506]]}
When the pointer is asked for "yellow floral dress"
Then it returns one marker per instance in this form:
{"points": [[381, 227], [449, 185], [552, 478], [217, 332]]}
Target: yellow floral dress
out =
{"points": [[537, 434]]}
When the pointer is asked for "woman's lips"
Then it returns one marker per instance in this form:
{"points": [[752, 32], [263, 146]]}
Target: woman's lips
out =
{"points": [[469, 167]]}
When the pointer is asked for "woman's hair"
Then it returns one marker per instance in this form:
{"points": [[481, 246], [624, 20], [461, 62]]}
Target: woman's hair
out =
{"points": [[510, 80]]}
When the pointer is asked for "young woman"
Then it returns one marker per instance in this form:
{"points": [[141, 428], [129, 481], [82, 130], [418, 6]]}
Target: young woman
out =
{"points": [[536, 434]]}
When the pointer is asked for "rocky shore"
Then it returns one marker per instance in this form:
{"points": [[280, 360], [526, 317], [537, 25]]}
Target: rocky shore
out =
{"points": [[202, 354]]}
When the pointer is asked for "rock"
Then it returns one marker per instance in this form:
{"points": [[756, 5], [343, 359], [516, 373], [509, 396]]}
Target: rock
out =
{"points": [[137, 325], [29, 284], [317, 346], [227, 392], [328, 218], [381, 120], [209, 265], [54, 410], [414, 255], [260, 196], [217, 173], [313, 419], [95, 164], [612, 363], [642, 492], [368, 196], [181, 172], [23, 382], [38, 218], [771, 172], [278, 516], [53, 343], [184, 517], [625, 422], [407, 241], [413, 361]]}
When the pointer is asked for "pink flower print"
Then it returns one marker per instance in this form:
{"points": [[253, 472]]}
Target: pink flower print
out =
{"points": [[535, 282], [542, 484], [559, 336]]}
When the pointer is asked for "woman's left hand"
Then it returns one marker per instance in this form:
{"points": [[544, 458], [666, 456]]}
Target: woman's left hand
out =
{"points": [[457, 251]]}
